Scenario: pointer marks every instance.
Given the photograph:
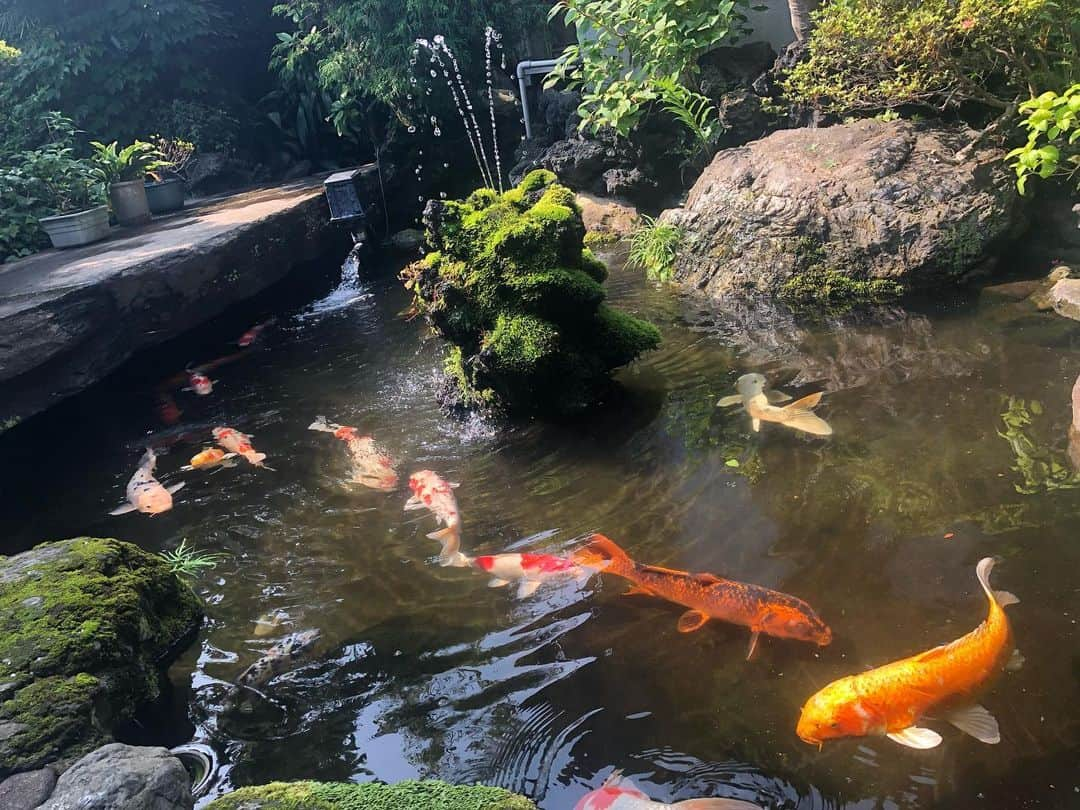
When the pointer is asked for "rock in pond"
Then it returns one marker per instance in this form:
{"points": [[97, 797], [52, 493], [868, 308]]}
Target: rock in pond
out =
{"points": [[88, 624], [25, 791], [870, 200], [425, 795], [1065, 298], [123, 777], [606, 220]]}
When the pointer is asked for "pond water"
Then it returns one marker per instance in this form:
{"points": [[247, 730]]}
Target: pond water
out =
{"points": [[424, 671]]}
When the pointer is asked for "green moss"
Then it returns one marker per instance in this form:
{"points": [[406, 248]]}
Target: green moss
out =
{"points": [[537, 180], [821, 283], [600, 238], [409, 795], [86, 623], [513, 288]]}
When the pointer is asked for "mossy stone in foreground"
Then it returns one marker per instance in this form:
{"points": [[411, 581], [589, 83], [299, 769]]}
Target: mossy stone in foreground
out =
{"points": [[87, 625], [426, 795], [511, 285]]}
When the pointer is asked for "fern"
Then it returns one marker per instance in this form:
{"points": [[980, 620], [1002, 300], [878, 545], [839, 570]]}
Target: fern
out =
{"points": [[653, 247], [693, 110]]}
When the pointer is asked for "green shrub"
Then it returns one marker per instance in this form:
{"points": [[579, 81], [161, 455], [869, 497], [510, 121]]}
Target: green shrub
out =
{"points": [[868, 55], [511, 286], [42, 182], [630, 51], [1052, 122]]}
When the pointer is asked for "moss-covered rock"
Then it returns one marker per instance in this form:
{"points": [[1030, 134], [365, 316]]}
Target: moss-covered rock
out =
{"points": [[511, 285], [426, 795], [87, 625]]}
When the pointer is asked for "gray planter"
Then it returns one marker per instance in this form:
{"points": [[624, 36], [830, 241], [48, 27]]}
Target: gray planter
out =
{"points": [[166, 196], [82, 228], [128, 201]]}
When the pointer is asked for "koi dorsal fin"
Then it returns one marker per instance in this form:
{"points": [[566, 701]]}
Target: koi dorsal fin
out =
{"points": [[656, 569]]}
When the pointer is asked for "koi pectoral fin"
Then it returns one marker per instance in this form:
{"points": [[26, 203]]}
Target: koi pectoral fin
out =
{"points": [[413, 504], [755, 423], [915, 737], [175, 488], [498, 583], [976, 721], [123, 509], [527, 588], [637, 590], [692, 620], [728, 402], [777, 397], [753, 644]]}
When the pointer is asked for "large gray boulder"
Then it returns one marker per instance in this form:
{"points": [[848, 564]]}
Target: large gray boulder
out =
{"points": [[87, 626], [123, 777], [867, 200]]}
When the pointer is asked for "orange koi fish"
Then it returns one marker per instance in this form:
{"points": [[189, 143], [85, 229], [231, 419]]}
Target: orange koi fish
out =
{"points": [[710, 597], [210, 457], [431, 491], [891, 699], [236, 442], [371, 466]]}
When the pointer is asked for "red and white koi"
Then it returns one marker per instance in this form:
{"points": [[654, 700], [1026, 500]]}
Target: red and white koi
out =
{"points": [[239, 443], [199, 382], [530, 571], [371, 466], [620, 793], [430, 491], [144, 492]]}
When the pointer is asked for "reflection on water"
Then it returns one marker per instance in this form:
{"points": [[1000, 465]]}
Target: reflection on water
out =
{"points": [[425, 671]]}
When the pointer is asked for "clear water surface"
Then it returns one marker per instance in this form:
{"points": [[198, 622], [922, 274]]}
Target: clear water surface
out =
{"points": [[426, 672]]}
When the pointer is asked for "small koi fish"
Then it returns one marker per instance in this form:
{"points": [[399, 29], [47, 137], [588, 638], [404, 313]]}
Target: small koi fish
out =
{"points": [[430, 491], [893, 698], [620, 793], [371, 466], [144, 492], [278, 659], [266, 624], [240, 444], [757, 402], [707, 596], [530, 571], [199, 383], [254, 333], [210, 457]]}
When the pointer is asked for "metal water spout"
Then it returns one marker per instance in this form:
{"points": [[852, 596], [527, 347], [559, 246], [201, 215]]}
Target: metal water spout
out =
{"points": [[525, 71]]}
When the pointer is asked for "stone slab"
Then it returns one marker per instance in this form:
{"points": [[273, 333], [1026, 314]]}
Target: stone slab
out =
{"points": [[68, 318]]}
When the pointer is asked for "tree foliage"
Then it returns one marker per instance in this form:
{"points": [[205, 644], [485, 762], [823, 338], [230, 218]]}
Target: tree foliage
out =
{"points": [[627, 47], [1052, 121], [360, 51], [868, 55]]}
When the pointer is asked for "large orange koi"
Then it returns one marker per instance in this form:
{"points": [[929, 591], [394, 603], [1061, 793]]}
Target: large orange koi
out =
{"points": [[891, 699], [710, 597]]}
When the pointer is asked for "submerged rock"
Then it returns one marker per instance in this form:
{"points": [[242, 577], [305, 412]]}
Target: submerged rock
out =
{"points": [[123, 777], [410, 795], [868, 201], [1064, 297], [88, 624]]}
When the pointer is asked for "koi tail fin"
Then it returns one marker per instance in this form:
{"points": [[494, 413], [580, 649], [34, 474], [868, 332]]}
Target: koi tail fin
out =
{"points": [[602, 552], [322, 425], [149, 459], [1000, 598], [450, 556], [798, 415]]}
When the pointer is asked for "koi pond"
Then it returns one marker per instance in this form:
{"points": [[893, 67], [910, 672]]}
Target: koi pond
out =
{"points": [[950, 444]]}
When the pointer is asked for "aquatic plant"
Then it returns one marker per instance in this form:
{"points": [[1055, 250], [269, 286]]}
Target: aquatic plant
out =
{"points": [[407, 795], [653, 247], [511, 286], [186, 561], [1040, 468]]}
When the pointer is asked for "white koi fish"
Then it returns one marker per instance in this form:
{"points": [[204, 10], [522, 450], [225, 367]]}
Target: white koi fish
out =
{"points": [[144, 492], [758, 402], [239, 443], [371, 466], [530, 571], [620, 793], [430, 491]]}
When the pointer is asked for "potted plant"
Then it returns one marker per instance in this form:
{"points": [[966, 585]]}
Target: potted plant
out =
{"points": [[166, 188], [58, 181], [124, 172]]}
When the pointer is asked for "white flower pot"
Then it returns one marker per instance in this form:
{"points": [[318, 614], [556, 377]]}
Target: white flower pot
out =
{"points": [[81, 228], [129, 203]]}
